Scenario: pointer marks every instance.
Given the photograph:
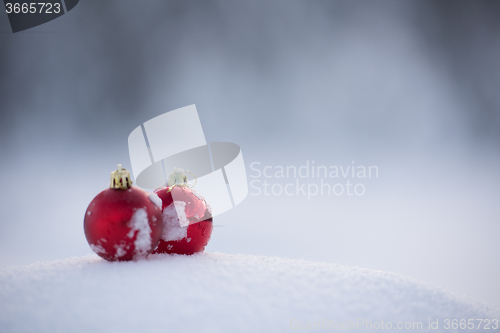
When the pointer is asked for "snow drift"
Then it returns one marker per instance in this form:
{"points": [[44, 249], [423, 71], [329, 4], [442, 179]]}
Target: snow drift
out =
{"points": [[213, 292]]}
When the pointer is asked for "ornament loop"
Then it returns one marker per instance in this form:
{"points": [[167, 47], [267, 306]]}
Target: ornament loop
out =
{"points": [[120, 179], [178, 178], [195, 179]]}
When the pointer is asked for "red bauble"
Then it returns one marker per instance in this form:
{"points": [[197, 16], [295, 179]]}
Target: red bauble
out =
{"points": [[124, 222], [187, 220]]}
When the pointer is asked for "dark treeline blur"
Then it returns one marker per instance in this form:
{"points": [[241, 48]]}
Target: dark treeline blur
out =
{"points": [[97, 69]]}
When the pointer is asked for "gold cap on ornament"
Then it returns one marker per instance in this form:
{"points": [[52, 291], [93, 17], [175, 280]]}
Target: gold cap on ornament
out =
{"points": [[120, 179]]}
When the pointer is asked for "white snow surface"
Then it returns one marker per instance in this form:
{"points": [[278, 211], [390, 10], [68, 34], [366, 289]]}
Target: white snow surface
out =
{"points": [[121, 249], [175, 221], [140, 224], [97, 248], [214, 292], [180, 208]]}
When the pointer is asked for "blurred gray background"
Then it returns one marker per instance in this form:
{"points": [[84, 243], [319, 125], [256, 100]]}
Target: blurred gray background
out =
{"points": [[412, 87]]}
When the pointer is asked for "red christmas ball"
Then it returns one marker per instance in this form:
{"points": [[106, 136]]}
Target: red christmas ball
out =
{"points": [[123, 222], [187, 220]]}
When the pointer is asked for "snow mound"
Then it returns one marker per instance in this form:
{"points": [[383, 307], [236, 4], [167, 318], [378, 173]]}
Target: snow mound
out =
{"points": [[217, 293]]}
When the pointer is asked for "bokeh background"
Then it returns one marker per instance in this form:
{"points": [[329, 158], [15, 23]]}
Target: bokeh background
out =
{"points": [[411, 87]]}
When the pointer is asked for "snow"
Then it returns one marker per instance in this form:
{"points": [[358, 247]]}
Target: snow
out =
{"points": [[213, 292], [121, 249], [97, 248], [155, 199], [174, 216], [180, 208], [140, 225]]}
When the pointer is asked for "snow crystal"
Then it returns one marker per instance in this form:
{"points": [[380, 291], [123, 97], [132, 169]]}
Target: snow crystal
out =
{"points": [[120, 250], [142, 241], [175, 221], [155, 199], [97, 248], [180, 208]]}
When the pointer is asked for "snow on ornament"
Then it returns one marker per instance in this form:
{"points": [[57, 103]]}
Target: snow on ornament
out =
{"points": [[187, 217], [123, 222]]}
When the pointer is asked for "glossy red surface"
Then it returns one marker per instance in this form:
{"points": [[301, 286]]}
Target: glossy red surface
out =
{"points": [[200, 226], [108, 227]]}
